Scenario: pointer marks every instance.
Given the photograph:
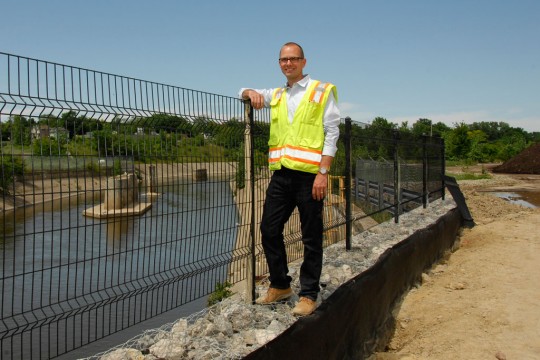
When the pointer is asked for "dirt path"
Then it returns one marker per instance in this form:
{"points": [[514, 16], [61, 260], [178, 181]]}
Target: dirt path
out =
{"points": [[483, 301]]}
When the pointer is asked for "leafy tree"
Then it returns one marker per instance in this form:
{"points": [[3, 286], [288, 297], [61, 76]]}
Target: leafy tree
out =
{"points": [[10, 167], [261, 134], [493, 130], [5, 130], [458, 143], [428, 127], [478, 146], [102, 141], [422, 127], [511, 144], [440, 129], [20, 130], [48, 146], [381, 128], [205, 126], [50, 120], [168, 123], [71, 123], [230, 134]]}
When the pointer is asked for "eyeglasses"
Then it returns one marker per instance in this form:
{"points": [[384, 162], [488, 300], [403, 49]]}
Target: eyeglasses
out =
{"points": [[291, 59]]}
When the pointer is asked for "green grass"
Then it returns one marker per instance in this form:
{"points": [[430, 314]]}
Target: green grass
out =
{"points": [[465, 163], [470, 176], [9, 148], [81, 149]]}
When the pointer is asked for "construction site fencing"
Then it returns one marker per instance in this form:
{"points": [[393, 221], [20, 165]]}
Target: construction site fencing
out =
{"points": [[122, 199]]}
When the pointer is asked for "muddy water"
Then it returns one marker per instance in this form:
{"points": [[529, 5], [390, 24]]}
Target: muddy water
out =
{"points": [[529, 199], [109, 274]]}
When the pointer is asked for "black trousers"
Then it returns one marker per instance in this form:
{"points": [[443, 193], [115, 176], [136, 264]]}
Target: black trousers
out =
{"points": [[289, 189]]}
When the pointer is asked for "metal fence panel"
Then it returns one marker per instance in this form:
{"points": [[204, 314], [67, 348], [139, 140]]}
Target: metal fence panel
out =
{"points": [[122, 199]]}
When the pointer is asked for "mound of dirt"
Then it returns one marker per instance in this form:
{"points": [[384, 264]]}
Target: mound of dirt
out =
{"points": [[526, 162]]}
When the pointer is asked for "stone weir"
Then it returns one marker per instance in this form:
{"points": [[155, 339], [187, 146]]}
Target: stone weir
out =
{"points": [[121, 199]]}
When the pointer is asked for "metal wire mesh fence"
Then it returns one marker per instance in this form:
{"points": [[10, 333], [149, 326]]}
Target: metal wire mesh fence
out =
{"points": [[122, 199], [404, 174]]}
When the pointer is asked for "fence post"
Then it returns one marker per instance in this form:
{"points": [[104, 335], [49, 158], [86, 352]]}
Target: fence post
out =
{"points": [[397, 180], [348, 180], [250, 184], [443, 167], [424, 172]]}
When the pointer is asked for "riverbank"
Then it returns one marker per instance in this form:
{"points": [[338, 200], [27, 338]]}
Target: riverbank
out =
{"points": [[32, 190]]}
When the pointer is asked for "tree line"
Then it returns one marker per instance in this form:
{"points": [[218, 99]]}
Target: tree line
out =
{"points": [[166, 137], [479, 142]]}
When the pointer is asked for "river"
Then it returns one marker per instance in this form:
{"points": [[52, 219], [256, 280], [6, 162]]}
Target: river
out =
{"points": [[75, 279]]}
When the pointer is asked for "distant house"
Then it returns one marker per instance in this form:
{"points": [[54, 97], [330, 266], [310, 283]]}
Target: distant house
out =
{"points": [[39, 131], [43, 131]]}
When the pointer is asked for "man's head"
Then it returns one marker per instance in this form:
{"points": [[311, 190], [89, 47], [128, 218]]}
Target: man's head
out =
{"points": [[292, 62]]}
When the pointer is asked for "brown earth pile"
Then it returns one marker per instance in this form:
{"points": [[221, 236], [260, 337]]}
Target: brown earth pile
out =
{"points": [[526, 162]]}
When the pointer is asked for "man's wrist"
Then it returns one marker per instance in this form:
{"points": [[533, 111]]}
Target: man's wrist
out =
{"points": [[323, 170]]}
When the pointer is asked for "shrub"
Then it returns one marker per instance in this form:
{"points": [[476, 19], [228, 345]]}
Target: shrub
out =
{"points": [[10, 168], [222, 292]]}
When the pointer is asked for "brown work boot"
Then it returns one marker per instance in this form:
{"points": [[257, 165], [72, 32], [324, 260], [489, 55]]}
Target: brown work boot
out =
{"points": [[274, 295], [304, 306]]}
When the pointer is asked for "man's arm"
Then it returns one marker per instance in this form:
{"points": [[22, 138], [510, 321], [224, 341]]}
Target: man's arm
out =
{"points": [[256, 98], [331, 120]]}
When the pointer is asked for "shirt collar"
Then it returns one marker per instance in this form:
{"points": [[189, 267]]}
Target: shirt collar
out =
{"points": [[302, 82]]}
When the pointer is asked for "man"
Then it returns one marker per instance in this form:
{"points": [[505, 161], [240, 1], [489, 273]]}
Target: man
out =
{"points": [[303, 135]]}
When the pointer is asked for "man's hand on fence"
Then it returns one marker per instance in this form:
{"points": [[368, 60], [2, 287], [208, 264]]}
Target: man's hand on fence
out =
{"points": [[257, 100]]}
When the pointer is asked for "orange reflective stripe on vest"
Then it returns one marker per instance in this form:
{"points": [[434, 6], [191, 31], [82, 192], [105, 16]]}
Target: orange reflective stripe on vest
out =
{"points": [[317, 94], [307, 156]]}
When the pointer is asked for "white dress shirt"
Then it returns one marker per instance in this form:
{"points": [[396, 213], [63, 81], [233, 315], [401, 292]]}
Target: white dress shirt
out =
{"points": [[331, 117]]}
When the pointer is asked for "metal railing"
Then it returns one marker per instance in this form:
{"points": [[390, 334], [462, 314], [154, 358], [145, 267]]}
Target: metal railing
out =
{"points": [[122, 199]]}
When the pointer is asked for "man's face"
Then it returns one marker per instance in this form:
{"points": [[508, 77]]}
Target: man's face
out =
{"points": [[293, 65]]}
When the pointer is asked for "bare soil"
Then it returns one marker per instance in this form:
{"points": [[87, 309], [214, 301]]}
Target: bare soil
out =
{"points": [[482, 301], [526, 162]]}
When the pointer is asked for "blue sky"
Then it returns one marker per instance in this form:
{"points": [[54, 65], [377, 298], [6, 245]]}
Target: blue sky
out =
{"points": [[449, 61]]}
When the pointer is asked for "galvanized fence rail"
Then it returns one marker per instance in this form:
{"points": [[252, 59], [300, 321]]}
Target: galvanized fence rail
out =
{"points": [[122, 199]]}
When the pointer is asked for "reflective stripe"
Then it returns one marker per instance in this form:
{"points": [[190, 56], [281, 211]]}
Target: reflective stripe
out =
{"points": [[318, 92], [312, 95], [307, 156]]}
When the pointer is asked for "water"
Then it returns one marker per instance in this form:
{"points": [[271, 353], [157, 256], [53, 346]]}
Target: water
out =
{"points": [[108, 274], [528, 199]]}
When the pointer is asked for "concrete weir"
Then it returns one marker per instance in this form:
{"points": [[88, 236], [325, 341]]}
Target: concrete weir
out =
{"points": [[121, 199]]}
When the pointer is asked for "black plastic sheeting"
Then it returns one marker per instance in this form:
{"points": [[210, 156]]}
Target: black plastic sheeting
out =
{"points": [[459, 198], [356, 320]]}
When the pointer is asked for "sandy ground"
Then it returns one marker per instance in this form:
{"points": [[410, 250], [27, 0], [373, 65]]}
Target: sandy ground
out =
{"points": [[482, 302]]}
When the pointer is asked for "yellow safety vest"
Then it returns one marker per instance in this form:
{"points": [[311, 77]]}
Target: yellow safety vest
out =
{"points": [[298, 145]]}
